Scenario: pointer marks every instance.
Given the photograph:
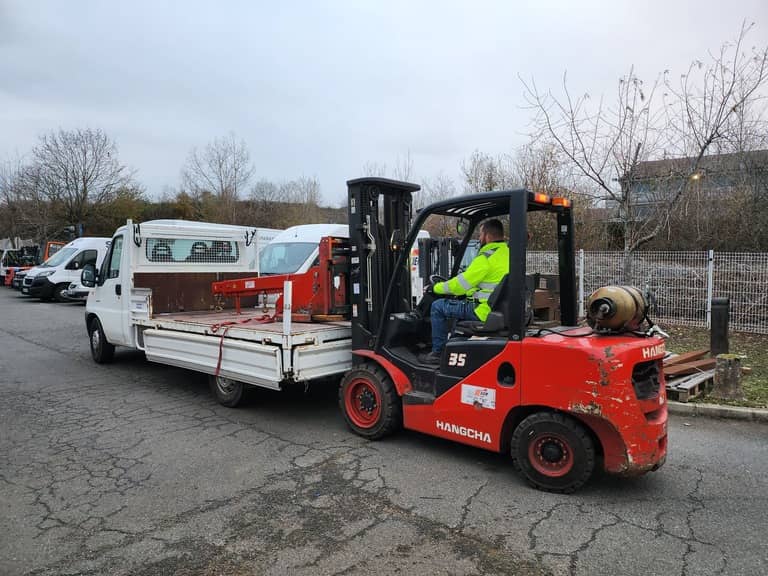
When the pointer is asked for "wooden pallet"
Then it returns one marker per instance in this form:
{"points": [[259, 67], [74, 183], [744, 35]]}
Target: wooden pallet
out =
{"points": [[675, 359], [685, 388], [695, 367]]}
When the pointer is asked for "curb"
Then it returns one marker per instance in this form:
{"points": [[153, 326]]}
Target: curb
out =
{"points": [[718, 411]]}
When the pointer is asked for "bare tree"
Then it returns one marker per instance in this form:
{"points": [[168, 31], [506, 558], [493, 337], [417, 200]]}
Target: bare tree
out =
{"points": [[375, 169], [76, 170], [483, 172], [604, 144], [10, 200], [304, 195], [403, 167], [434, 190], [223, 169]]}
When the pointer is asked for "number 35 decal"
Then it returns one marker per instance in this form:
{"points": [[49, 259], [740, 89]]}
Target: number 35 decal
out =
{"points": [[457, 359]]}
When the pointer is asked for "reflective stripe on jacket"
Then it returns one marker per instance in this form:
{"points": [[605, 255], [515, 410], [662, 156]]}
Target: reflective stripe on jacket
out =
{"points": [[481, 277]]}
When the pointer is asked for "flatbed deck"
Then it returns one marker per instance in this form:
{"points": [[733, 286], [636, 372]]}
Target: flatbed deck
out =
{"points": [[239, 346], [246, 326]]}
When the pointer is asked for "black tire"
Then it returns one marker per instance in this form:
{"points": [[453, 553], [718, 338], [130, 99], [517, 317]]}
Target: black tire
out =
{"points": [[228, 392], [101, 350], [369, 402], [553, 452], [57, 290]]}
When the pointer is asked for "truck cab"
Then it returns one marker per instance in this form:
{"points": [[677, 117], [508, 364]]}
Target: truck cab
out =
{"points": [[163, 266]]}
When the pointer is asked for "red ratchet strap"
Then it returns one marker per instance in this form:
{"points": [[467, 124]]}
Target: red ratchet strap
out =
{"points": [[265, 319]]}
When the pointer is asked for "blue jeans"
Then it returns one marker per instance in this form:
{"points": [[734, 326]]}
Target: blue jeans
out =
{"points": [[442, 311]]}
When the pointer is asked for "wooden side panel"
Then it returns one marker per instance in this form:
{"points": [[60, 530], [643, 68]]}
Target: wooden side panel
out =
{"points": [[186, 291]]}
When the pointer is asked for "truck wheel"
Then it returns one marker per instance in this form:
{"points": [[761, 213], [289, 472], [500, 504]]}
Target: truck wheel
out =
{"points": [[57, 292], [228, 392], [101, 350], [370, 403], [553, 452]]}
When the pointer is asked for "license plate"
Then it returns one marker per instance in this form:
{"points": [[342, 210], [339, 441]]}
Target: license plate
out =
{"points": [[25, 290]]}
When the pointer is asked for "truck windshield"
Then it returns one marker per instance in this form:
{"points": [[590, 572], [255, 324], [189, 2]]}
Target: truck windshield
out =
{"points": [[285, 258], [59, 258]]}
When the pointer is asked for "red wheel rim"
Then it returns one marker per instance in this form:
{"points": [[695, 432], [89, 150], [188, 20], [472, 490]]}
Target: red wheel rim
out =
{"points": [[550, 455], [363, 403]]}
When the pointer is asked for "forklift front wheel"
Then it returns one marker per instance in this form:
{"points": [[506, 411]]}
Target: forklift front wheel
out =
{"points": [[553, 452], [370, 403], [227, 391]]}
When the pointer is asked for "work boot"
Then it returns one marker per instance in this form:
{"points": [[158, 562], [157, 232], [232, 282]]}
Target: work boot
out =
{"points": [[430, 358]]}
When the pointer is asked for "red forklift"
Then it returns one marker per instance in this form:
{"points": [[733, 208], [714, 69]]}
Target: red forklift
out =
{"points": [[562, 399]]}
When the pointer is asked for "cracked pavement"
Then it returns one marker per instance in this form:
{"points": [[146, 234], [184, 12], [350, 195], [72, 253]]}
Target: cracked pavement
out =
{"points": [[132, 468]]}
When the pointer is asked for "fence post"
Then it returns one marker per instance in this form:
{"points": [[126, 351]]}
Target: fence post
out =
{"points": [[710, 285], [580, 272], [718, 333]]}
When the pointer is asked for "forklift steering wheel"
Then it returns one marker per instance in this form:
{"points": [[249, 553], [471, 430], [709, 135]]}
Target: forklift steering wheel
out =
{"points": [[435, 278]]}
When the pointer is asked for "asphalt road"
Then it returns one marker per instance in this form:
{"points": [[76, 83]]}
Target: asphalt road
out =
{"points": [[132, 468]]}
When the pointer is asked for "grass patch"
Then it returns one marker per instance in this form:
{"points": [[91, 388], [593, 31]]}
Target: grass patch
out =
{"points": [[753, 346]]}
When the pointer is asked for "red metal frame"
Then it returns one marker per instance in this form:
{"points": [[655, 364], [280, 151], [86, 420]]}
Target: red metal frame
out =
{"points": [[317, 294]]}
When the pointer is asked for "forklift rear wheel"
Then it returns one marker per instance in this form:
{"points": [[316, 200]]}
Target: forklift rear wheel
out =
{"points": [[101, 350], [553, 452], [370, 403], [227, 391]]}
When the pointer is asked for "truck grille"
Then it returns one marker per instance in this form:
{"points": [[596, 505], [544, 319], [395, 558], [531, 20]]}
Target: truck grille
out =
{"points": [[645, 379], [28, 281]]}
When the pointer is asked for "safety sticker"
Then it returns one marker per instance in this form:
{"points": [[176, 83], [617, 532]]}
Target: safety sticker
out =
{"points": [[478, 396]]}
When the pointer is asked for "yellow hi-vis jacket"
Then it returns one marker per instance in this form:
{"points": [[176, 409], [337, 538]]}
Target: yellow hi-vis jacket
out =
{"points": [[481, 277]]}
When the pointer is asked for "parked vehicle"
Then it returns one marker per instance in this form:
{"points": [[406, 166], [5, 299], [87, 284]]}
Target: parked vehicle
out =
{"points": [[76, 292], [12, 259], [21, 260], [153, 293], [295, 250], [48, 280]]}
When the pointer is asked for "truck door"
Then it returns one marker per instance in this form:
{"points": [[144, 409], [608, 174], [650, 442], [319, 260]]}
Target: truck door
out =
{"points": [[112, 295]]}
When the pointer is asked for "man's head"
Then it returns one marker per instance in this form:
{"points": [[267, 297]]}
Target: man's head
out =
{"points": [[491, 231]]}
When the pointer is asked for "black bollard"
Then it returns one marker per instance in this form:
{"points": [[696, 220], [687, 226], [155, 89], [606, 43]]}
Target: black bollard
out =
{"points": [[718, 335]]}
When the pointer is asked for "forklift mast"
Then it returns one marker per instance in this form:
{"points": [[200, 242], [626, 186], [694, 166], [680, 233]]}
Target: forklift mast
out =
{"points": [[379, 219]]}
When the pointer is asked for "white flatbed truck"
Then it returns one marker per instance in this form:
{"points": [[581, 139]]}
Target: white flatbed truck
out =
{"points": [[153, 293]]}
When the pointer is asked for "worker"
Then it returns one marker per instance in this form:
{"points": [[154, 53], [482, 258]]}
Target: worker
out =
{"points": [[476, 283]]}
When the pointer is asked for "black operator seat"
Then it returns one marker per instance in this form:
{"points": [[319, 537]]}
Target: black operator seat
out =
{"points": [[496, 323]]}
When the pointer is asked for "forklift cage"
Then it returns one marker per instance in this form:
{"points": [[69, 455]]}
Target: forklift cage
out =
{"points": [[475, 208]]}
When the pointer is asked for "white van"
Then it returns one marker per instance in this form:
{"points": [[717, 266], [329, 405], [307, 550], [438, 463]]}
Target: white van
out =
{"points": [[295, 250], [53, 277]]}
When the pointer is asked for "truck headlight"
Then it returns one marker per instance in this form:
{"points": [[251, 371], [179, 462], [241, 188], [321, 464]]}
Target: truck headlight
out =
{"points": [[44, 274]]}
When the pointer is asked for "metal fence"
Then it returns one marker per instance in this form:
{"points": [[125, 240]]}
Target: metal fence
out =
{"points": [[681, 284]]}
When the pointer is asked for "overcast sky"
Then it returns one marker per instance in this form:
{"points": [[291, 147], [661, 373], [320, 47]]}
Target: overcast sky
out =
{"points": [[321, 88]]}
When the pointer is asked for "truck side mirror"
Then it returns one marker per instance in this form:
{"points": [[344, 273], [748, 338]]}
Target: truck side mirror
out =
{"points": [[88, 276]]}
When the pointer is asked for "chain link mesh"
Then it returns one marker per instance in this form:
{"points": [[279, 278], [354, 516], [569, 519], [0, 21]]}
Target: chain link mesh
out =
{"points": [[678, 282]]}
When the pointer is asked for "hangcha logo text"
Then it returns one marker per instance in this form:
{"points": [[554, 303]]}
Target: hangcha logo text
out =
{"points": [[463, 431], [652, 351]]}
